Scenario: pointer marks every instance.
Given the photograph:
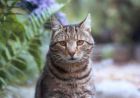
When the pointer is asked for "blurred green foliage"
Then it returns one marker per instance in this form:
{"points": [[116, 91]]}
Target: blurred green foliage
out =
{"points": [[21, 39], [116, 19]]}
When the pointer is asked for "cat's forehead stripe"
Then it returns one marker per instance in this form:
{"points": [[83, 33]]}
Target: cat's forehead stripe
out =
{"points": [[70, 32]]}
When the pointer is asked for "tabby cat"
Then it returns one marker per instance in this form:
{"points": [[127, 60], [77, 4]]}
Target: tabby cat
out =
{"points": [[68, 72]]}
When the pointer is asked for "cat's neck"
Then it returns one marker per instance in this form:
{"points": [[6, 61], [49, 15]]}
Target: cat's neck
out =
{"points": [[71, 72]]}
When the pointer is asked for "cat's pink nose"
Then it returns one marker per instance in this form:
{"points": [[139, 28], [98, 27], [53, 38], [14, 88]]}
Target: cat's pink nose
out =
{"points": [[71, 53]]}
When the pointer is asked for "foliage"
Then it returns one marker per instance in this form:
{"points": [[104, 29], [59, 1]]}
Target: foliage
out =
{"points": [[20, 42], [113, 19]]}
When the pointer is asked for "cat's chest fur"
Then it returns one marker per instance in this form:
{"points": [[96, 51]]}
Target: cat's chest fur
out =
{"points": [[54, 88]]}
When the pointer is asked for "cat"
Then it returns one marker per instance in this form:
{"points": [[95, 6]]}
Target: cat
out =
{"points": [[68, 72]]}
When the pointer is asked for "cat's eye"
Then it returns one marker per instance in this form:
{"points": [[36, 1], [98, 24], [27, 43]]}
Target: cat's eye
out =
{"points": [[62, 43], [80, 42]]}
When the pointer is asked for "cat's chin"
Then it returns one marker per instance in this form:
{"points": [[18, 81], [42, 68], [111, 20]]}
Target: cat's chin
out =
{"points": [[73, 60]]}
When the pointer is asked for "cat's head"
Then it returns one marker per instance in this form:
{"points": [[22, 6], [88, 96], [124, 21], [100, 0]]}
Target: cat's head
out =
{"points": [[71, 43]]}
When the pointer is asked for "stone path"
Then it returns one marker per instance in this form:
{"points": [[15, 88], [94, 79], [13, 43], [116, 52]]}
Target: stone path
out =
{"points": [[117, 81]]}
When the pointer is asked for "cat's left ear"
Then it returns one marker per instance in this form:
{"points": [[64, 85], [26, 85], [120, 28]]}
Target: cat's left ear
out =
{"points": [[55, 24], [86, 23]]}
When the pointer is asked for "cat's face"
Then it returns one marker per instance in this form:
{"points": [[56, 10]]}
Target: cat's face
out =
{"points": [[72, 43]]}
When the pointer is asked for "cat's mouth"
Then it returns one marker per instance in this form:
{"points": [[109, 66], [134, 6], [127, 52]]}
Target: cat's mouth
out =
{"points": [[72, 58]]}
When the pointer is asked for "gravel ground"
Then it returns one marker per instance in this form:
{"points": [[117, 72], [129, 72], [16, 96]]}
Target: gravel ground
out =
{"points": [[117, 81]]}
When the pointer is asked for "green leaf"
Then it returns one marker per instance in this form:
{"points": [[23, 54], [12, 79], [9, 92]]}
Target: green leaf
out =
{"points": [[37, 19], [2, 81], [7, 53], [36, 56]]}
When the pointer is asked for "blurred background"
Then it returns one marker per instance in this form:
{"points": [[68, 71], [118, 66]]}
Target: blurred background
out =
{"points": [[25, 34]]}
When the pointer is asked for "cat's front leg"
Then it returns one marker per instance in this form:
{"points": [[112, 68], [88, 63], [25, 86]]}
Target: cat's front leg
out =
{"points": [[88, 96]]}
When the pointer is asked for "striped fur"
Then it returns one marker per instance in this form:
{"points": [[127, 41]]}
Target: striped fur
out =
{"points": [[68, 72]]}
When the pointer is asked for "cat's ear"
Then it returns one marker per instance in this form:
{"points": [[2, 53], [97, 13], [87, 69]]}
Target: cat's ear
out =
{"points": [[86, 23], [55, 24]]}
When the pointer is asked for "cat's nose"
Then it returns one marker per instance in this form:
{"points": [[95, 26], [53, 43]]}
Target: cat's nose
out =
{"points": [[71, 53]]}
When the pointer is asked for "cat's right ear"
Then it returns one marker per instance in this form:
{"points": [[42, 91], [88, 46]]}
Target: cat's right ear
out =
{"points": [[86, 23], [55, 24]]}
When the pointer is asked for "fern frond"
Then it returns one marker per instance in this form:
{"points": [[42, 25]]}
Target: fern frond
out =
{"points": [[39, 17]]}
